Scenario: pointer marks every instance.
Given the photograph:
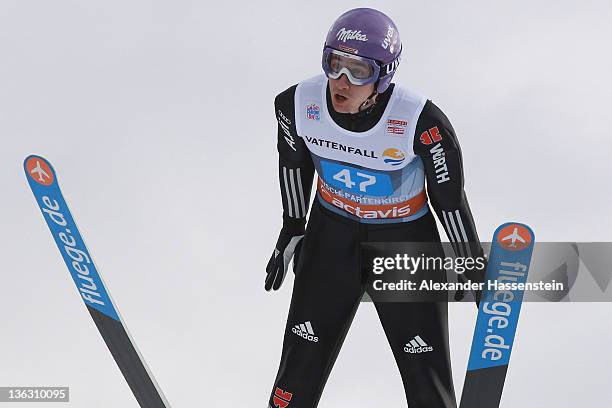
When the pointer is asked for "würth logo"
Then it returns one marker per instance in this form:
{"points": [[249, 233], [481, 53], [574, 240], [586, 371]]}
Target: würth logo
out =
{"points": [[431, 136], [438, 155], [281, 398], [417, 346], [305, 331]]}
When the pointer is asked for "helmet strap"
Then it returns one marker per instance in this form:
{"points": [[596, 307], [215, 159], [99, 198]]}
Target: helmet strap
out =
{"points": [[370, 101]]}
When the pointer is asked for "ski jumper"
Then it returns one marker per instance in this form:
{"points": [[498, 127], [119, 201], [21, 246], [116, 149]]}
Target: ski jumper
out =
{"points": [[372, 170]]}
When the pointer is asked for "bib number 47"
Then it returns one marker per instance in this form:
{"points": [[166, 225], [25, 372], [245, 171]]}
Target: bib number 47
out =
{"points": [[365, 180], [358, 181]]}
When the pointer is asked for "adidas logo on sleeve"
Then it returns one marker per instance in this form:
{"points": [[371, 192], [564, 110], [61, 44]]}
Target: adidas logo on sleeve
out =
{"points": [[305, 331], [417, 346]]}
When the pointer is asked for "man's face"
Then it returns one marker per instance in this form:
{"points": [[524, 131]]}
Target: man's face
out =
{"points": [[346, 97]]}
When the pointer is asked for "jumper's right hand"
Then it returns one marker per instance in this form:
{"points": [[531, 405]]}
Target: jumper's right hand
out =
{"points": [[287, 247]]}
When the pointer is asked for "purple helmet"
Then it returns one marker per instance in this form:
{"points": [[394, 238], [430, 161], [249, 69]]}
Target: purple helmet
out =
{"points": [[364, 44]]}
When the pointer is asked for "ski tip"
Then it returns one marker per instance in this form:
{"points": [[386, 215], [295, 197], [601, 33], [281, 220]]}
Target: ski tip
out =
{"points": [[39, 170], [514, 235]]}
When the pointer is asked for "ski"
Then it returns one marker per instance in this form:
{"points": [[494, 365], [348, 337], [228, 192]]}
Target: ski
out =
{"points": [[498, 316], [44, 184]]}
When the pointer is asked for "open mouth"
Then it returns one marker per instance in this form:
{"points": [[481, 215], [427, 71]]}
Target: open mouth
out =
{"points": [[340, 98]]}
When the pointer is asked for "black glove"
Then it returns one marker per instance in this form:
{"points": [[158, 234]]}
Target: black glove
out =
{"points": [[287, 247]]}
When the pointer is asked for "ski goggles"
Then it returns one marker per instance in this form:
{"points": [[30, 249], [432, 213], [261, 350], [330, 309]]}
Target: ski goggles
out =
{"points": [[359, 70]]}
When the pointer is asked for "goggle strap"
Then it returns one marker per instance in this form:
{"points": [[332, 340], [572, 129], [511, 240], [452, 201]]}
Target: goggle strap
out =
{"points": [[390, 67]]}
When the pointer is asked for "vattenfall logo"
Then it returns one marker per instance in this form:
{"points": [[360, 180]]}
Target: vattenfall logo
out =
{"points": [[393, 156], [344, 35]]}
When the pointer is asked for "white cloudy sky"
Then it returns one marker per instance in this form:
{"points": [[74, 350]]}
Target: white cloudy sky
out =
{"points": [[158, 118]]}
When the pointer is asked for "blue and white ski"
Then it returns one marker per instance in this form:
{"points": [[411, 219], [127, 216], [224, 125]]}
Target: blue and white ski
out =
{"points": [[498, 316], [43, 182]]}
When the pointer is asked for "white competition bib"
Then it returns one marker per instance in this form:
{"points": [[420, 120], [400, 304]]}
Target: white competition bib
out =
{"points": [[371, 176]]}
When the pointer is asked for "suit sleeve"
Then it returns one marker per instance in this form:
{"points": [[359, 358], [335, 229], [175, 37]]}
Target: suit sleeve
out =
{"points": [[436, 144], [296, 169]]}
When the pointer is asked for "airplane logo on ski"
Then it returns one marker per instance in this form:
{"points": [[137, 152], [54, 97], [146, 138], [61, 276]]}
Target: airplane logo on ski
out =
{"points": [[514, 237], [40, 171]]}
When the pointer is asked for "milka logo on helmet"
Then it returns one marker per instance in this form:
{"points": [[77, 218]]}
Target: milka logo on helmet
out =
{"points": [[393, 156], [344, 35]]}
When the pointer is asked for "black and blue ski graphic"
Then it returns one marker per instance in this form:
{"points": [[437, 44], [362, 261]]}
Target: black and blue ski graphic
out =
{"points": [[43, 182], [498, 316]]}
